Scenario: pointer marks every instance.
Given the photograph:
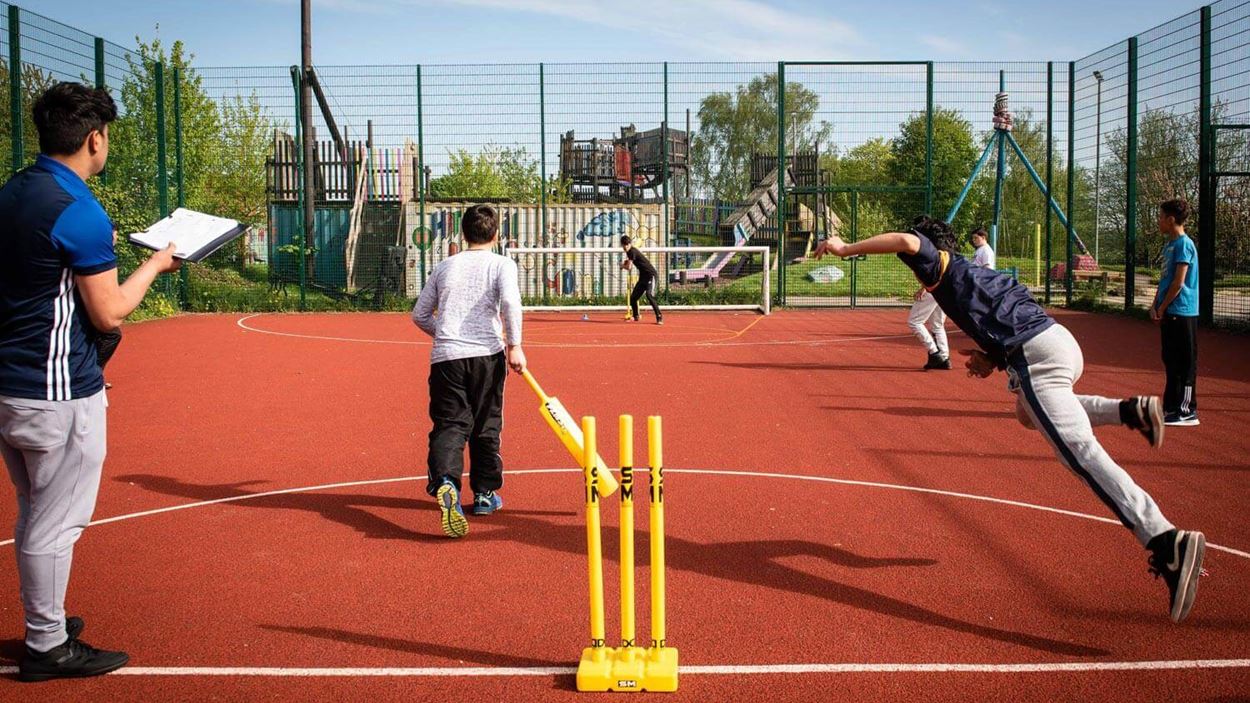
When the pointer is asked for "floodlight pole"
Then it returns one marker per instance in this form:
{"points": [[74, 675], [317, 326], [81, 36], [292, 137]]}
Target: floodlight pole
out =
{"points": [[1097, 162]]}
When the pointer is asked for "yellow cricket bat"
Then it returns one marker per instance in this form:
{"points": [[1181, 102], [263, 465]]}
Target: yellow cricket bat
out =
{"points": [[570, 433]]}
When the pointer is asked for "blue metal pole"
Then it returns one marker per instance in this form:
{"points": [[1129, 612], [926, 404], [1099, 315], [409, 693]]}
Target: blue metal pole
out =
{"points": [[1063, 220], [985, 155]]}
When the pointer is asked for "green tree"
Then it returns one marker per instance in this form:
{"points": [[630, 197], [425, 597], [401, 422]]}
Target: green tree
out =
{"points": [[505, 173], [733, 126], [954, 155], [34, 82], [224, 146], [868, 164], [132, 159], [1024, 205], [232, 182], [1167, 167]]}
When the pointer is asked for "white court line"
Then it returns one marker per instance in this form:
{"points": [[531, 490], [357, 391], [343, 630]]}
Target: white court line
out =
{"points": [[241, 322], [685, 670], [731, 669], [707, 472]]}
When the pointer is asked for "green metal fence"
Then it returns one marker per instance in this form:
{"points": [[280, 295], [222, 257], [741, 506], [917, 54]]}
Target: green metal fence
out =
{"points": [[863, 147], [38, 52], [1225, 210]]}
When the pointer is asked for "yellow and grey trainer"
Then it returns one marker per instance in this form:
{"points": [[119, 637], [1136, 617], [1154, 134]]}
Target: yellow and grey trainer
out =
{"points": [[454, 522]]}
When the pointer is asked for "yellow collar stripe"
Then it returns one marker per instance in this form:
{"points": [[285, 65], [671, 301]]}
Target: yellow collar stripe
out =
{"points": [[945, 258]]}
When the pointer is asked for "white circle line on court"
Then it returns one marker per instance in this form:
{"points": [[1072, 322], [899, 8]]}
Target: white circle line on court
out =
{"points": [[696, 669], [706, 472], [730, 669], [242, 323]]}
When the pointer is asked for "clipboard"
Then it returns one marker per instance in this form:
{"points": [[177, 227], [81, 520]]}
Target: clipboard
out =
{"points": [[197, 235]]}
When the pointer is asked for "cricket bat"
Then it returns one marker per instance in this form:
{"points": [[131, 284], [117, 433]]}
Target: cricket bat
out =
{"points": [[570, 433]]}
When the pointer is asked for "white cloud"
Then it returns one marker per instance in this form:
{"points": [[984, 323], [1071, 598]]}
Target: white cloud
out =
{"points": [[368, 7], [744, 30], [951, 48]]}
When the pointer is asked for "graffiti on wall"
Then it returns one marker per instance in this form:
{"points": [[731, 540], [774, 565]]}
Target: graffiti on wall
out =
{"points": [[607, 224]]}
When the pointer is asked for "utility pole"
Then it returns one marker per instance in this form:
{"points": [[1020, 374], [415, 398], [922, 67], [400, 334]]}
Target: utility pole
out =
{"points": [[310, 136]]}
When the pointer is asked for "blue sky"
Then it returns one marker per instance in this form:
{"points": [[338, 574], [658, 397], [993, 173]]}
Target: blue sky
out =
{"points": [[266, 32]]}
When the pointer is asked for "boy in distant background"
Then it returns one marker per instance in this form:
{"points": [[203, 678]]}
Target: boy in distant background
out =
{"points": [[982, 256], [461, 307], [928, 323], [1175, 310]]}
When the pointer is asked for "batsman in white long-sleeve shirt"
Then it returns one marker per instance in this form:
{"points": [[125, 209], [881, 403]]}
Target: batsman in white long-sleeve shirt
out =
{"points": [[471, 306]]}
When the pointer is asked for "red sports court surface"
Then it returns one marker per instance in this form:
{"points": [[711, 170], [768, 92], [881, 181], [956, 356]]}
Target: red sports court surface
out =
{"points": [[841, 525]]}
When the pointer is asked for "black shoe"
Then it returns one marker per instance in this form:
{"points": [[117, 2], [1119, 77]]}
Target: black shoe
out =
{"points": [[1176, 555], [1181, 420], [74, 626], [1145, 414], [72, 660], [938, 362]]}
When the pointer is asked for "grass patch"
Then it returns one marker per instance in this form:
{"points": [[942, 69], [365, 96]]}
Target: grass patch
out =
{"points": [[1232, 280], [875, 277], [227, 290]]}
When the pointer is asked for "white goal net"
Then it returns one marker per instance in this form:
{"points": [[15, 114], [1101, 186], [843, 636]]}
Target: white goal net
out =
{"points": [[691, 278]]}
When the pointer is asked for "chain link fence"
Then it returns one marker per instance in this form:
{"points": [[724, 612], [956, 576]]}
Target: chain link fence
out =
{"points": [[1229, 46], [39, 52], [671, 154]]}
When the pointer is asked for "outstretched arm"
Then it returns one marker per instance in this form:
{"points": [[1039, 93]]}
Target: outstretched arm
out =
{"points": [[887, 243]]}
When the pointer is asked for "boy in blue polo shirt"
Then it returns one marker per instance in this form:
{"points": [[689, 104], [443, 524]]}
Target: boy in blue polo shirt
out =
{"points": [[1175, 310], [1043, 361], [58, 286]]}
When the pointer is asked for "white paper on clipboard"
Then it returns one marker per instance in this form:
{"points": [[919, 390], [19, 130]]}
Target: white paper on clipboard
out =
{"points": [[195, 234]]}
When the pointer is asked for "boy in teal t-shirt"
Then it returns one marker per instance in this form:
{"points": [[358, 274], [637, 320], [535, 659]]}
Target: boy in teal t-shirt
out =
{"points": [[1175, 310]]}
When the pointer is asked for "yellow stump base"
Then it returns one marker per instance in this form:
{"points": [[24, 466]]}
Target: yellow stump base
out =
{"points": [[627, 669]]}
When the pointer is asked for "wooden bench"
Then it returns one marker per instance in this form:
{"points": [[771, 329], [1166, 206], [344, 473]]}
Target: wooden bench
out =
{"points": [[1112, 281]]}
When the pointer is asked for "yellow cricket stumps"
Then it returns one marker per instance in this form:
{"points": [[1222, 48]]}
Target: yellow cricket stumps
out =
{"points": [[628, 667]]}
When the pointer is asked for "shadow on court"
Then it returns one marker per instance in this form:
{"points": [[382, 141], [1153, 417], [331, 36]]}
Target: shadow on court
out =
{"points": [[921, 411], [756, 563], [351, 510], [807, 366]]}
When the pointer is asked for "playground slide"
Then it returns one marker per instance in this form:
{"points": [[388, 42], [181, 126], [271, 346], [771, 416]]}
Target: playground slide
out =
{"points": [[745, 222]]}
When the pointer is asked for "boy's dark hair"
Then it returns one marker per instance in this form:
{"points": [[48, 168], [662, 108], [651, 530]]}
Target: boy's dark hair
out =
{"points": [[479, 224], [936, 231], [625, 239], [979, 232], [1178, 208], [67, 112]]}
